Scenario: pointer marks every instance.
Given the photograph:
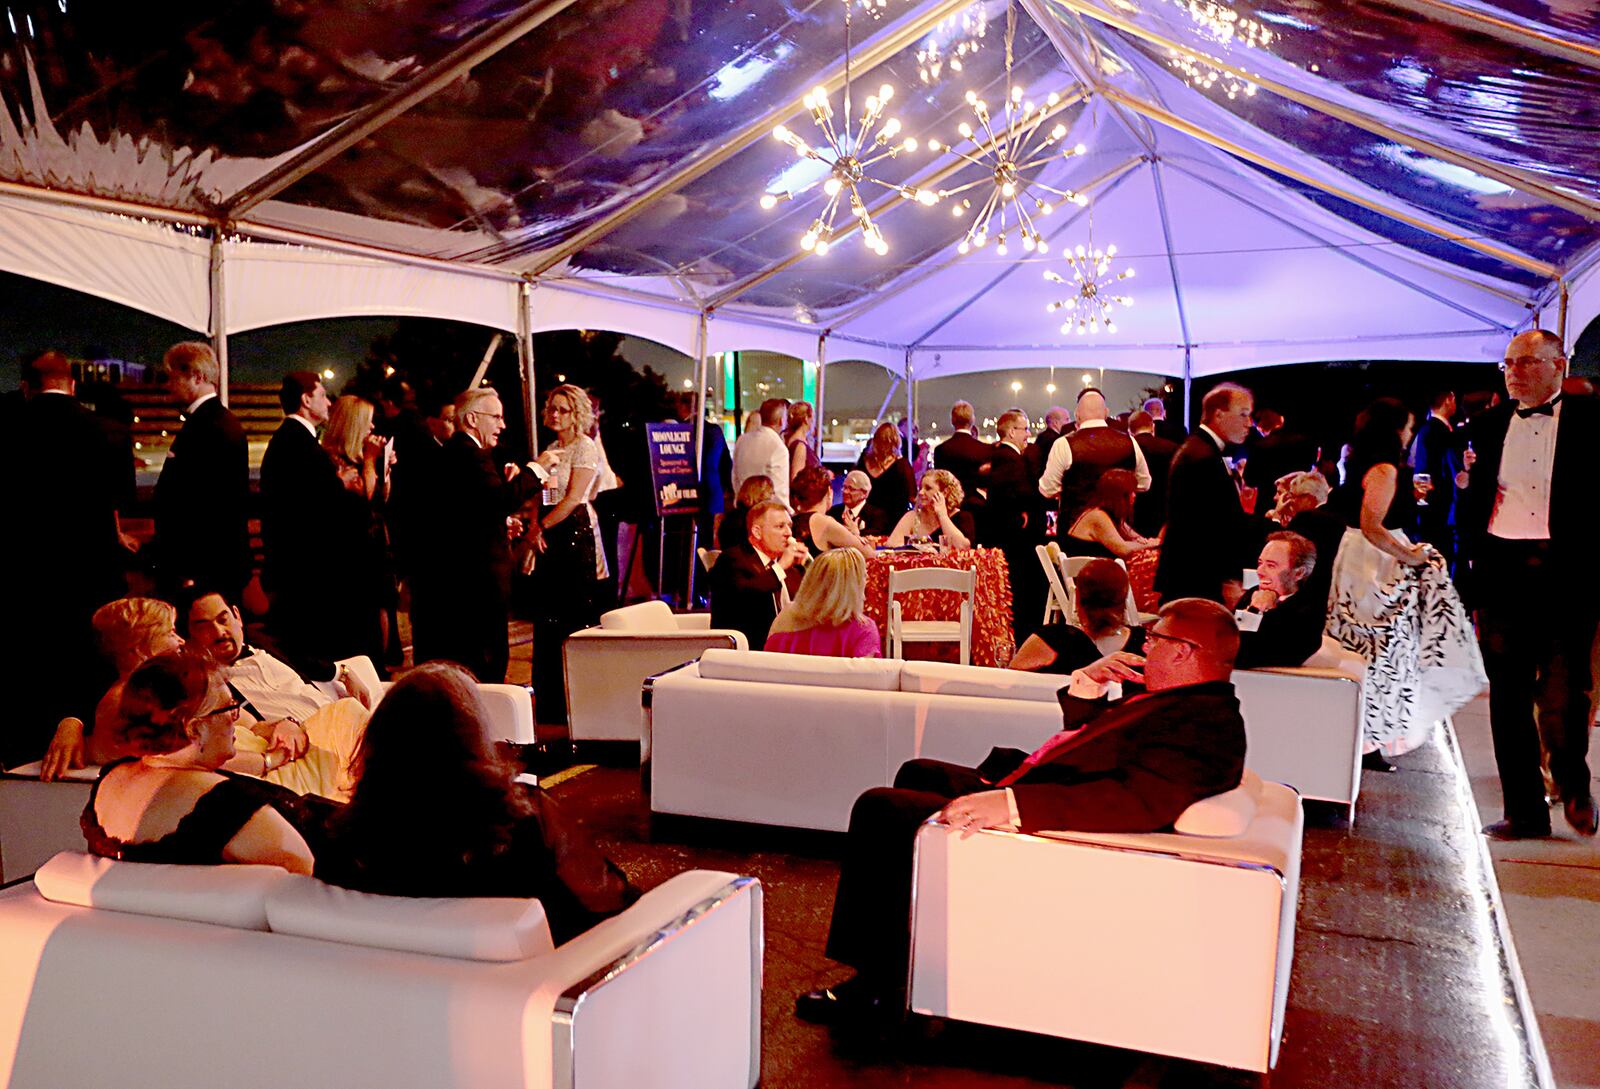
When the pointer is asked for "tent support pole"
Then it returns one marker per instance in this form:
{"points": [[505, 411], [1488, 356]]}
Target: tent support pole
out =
{"points": [[696, 436], [1172, 261], [219, 311], [822, 394], [911, 413], [1561, 314], [429, 82], [530, 395], [1173, 121], [1516, 179], [874, 53], [1188, 387]]}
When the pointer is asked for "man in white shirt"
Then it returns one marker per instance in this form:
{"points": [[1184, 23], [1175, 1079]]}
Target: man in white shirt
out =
{"points": [[753, 581], [1093, 448], [760, 451], [1527, 523]]}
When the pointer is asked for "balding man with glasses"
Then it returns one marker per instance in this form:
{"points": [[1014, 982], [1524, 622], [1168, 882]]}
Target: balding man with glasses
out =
{"points": [[1528, 519]]}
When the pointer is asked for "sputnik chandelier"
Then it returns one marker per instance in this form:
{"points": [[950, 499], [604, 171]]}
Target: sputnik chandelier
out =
{"points": [[1224, 26], [1008, 152], [950, 43], [849, 154], [1092, 305]]}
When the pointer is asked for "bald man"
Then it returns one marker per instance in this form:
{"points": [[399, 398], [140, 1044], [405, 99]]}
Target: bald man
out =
{"points": [[1527, 520], [1131, 766], [1076, 463]]}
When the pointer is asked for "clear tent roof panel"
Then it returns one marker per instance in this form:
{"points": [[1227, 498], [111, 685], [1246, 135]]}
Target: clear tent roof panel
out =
{"points": [[1472, 93], [724, 235], [1350, 157], [579, 118], [922, 239], [181, 104]]}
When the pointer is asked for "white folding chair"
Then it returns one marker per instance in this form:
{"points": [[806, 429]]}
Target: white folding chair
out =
{"points": [[708, 557], [902, 631], [1070, 566], [1055, 602]]}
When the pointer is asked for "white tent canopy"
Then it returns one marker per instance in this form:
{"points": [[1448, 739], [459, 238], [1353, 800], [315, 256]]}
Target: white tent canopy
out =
{"points": [[1354, 202]]}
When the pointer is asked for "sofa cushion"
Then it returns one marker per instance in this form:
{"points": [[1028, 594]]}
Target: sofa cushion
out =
{"points": [[871, 674], [1222, 815], [485, 928], [947, 679], [233, 896], [645, 616]]}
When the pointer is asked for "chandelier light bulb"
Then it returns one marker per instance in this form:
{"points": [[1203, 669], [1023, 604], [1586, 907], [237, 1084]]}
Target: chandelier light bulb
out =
{"points": [[821, 247], [769, 201]]}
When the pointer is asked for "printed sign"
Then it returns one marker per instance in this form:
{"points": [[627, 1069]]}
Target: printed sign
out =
{"points": [[672, 473]]}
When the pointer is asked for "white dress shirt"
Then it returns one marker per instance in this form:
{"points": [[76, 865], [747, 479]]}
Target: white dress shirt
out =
{"points": [[305, 423], [1522, 497], [197, 402], [1060, 460], [760, 452], [273, 688]]}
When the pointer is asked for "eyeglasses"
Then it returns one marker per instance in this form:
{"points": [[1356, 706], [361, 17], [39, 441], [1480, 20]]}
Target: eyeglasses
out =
{"points": [[1151, 633], [490, 416], [230, 711]]}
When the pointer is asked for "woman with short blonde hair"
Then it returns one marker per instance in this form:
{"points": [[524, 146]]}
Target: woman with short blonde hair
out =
{"points": [[828, 615]]}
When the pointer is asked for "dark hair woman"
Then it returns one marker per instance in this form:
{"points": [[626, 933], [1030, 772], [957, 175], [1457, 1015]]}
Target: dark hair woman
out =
{"points": [[1102, 529], [811, 493], [436, 812], [1100, 593], [892, 481]]}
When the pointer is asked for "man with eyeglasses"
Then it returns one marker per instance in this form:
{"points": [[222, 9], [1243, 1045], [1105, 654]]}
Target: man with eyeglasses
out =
{"points": [[1128, 766], [1527, 519], [461, 585]]}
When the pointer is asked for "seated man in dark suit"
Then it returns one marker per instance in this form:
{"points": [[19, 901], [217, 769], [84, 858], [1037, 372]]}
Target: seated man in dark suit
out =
{"points": [[753, 580], [1131, 766], [857, 486], [1291, 623]]}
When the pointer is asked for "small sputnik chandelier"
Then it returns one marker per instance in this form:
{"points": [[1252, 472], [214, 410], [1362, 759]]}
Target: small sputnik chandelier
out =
{"points": [[849, 156], [1092, 306], [1021, 145], [952, 42]]}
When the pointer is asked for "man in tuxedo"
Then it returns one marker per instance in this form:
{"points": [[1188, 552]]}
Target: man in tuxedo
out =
{"points": [[300, 494], [753, 581], [1009, 524], [1204, 551], [461, 588], [202, 528], [963, 453], [857, 486], [1433, 451], [1276, 452], [1289, 629], [1528, 516], [1150, 507], [1129, 766], [63, 551], [1171, 430], [1078, 461]]}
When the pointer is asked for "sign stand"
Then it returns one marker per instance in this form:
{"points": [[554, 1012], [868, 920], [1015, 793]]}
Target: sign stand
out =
{"points": [[676, 484]]}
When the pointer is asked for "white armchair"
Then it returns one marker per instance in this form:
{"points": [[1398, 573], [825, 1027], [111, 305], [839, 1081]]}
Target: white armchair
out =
{"points": [[606, 665], [1171, 943], [1303, 724]]}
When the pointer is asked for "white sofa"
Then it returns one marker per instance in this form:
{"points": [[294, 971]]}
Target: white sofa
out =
{"points": [[605, 665], [792, 740], [246, 976], [38, 819], [1174, 943]]}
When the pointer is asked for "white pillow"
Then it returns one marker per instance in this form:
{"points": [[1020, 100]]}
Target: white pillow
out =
{"points": [[947, 679], [1223, 815], [871, 674], [645, 616], [483, 928], [227, 895]]}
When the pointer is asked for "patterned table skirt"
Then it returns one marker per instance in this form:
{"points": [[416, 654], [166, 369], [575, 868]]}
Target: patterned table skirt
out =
{"points": [[992, 642]]}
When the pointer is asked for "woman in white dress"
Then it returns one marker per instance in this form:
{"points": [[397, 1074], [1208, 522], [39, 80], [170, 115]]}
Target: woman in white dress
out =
{"points": [[1392, 601]]}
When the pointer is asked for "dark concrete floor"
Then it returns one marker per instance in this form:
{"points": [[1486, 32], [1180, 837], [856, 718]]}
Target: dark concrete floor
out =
{"points": [[1398, 978]]}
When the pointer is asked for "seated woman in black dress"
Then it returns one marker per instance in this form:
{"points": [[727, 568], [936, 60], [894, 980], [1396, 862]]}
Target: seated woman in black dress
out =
{"points": [[169, 803], [814, 527], [937, 513], [1102, 529], [1102, 627], [436, 813]]}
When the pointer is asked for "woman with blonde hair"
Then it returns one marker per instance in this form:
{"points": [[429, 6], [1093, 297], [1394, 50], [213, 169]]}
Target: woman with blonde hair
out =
{"points": [[366, 587], [937, 514], [828, 615], [349, 439], [566, 540], [797, 437], [892, 482]]}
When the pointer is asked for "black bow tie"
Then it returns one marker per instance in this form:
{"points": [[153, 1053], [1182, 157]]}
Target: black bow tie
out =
{"points": [[1546, 409]]}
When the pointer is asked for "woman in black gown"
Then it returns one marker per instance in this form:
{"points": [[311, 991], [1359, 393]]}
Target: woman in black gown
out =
{"points": [[1102, 530], [169, 803], [892, 482]]}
